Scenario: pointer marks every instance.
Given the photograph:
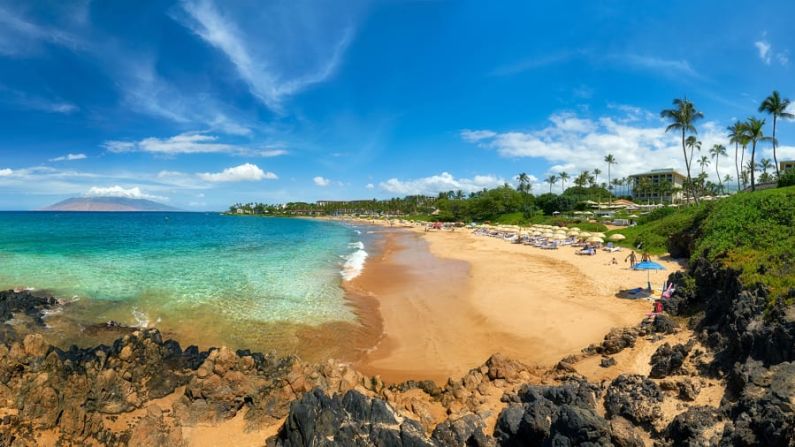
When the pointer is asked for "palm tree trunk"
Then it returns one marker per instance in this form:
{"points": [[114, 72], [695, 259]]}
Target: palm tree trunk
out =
{"points": [[742, 159], [720, 182], [609, 195], [753, 166], [736, 166], [687, 164], [775, 159]]}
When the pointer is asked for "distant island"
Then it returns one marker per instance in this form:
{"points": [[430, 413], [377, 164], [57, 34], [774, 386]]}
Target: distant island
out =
{"points": [[108, 204]]}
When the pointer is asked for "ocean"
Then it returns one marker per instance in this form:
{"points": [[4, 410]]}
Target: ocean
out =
{"points": [[226, 279]]}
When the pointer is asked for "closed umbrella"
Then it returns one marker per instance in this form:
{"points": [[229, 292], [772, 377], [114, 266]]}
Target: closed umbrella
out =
{"points": [[648, 266]]}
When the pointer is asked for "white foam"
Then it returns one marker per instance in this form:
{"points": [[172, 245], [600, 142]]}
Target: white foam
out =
{"points": [[354, 262], [141, 319]]}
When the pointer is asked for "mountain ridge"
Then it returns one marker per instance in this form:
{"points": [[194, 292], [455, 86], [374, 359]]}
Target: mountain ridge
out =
{"points": [[108, 204]]}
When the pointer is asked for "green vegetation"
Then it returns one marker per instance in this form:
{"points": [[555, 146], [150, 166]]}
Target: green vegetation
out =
{"points": [[755, 235], [752, 233]]}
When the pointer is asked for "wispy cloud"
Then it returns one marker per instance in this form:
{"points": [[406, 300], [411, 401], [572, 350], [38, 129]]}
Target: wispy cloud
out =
{"points": [[244, 173], [256, 61], [70, 157], [188, 143], [34, 102], [767, 55], [19, 36], [659, 65], [534, 63], [438, 183]]}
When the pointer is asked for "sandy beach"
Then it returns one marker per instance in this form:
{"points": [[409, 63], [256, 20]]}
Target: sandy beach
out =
{"points": [[448, 300]]}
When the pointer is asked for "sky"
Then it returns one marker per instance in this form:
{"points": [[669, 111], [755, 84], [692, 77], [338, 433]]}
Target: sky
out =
{"points": [[202, 103]]}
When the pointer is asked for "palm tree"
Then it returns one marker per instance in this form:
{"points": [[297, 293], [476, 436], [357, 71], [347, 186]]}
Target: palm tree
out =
{"points": [[736, 136], [596, 173], [717, 151], [552, 179], [765, 164], [563, 177], [610, 160], [703, 162], [681, 118], [524, 182], [776, 107], [726, 180], [754, 131]]}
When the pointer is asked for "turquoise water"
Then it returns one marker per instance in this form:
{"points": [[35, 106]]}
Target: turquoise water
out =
{"points": [[164, 269]]}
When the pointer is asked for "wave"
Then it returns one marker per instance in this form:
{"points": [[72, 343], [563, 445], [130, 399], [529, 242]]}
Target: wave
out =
{"points": [[354, 262], [141, 319]]}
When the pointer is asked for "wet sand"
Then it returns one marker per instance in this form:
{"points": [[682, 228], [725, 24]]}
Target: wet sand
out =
{"points": [[448, 300]]}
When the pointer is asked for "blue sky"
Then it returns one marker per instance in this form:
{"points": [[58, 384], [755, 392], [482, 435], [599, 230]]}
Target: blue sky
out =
{"points": [[202, 103]]}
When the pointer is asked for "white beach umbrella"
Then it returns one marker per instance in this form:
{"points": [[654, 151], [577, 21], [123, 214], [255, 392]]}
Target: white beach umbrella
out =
{"points": [[617, 237], [601, 235], [595, 239], [558, 237], [585, 234]]}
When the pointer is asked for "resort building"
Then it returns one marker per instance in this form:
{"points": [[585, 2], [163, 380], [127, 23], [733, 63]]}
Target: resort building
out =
{"points": [[658, 185], [784, 166]]}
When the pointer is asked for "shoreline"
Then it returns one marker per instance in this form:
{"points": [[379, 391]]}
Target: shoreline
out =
{"points": [[446, 301]]}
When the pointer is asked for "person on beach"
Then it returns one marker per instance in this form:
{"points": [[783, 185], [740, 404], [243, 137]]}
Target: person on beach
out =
{"points": [[645, 257], [632, 258]]}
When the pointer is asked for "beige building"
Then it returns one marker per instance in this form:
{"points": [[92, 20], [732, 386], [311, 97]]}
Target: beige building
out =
{"points": [[786, 165], [657, 177]]}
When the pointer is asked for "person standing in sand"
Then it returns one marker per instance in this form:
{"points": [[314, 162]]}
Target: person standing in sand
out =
{"points": [[632, 258]]}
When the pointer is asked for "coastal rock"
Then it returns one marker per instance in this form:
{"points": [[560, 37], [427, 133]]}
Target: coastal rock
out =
{"points": [[350, 419], [153, 431], [688, 389], [553, 415], [668, 360], [607, 362], [690, 428], [617, 340], [24, 302], [764, 414], [634, 397], [663, 324], [464, 431], [624, 434]]}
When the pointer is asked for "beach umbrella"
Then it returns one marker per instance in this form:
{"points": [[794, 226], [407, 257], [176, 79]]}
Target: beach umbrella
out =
{"points": [[585, 234], [601, 235], [595, 239], [559, 237], [648, 266], [617, 237]]}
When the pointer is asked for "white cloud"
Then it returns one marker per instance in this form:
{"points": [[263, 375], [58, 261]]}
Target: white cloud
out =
{"points": [[763, 47], [20, 36], [438, 183], [70, 157], [244, 173], [268, 153], [119, 191], [261, 64], [187, 143], [321, 181], [6, 172], [370, 186], [573, 143], [767, 55]]}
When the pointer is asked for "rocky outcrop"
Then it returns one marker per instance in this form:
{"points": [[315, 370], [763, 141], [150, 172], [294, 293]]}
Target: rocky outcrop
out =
{"points": [[25, 303], [668, 360], [351, 419], [635, 398], [553, 415], [764, 413]]}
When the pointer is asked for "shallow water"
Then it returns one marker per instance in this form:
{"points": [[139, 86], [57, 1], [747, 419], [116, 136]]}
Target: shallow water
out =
{"points": [[237, 277]]}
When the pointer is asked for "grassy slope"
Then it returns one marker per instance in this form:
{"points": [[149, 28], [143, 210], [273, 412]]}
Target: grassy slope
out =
{"points": [[753, 233]]}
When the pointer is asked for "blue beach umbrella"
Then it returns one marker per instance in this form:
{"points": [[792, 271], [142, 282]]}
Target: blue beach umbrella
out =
{"points": [[648, 266]]}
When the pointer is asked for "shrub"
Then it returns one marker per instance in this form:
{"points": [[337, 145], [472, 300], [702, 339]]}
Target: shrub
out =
{"points": [[787, 178]]}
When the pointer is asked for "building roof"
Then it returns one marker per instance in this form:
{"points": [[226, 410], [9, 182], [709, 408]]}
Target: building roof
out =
{"points": [[659, 172]]}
